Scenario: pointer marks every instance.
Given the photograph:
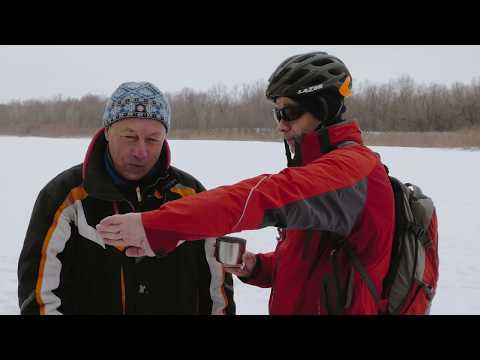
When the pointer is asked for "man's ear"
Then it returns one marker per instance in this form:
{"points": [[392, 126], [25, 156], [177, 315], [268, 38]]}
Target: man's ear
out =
{"points": [[106, 133]]}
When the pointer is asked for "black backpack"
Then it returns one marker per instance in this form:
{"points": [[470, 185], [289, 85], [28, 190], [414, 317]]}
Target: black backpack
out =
{"points": [[411, 280]]}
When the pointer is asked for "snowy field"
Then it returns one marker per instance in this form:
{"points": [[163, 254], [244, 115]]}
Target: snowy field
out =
{"points": [[449, 176]]}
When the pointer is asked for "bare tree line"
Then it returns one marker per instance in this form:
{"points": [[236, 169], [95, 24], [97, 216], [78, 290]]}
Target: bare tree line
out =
{"points": [[402, 105], [399, 105]]}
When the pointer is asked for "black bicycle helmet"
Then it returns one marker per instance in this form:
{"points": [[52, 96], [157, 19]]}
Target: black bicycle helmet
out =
{"points": [[306, 74]]}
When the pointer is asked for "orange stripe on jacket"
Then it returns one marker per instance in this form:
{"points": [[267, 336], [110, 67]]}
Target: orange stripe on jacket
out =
{"points": [[77, 193], [183, 191]]}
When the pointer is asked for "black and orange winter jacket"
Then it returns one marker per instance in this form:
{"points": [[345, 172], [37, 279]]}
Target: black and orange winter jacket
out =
{"points": [[340, 190], [65, 268]]}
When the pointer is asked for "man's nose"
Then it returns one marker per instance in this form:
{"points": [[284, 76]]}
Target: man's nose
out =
{"points": [[140, 150], [283, 126]]}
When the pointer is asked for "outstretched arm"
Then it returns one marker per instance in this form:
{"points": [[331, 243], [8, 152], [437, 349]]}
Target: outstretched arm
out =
{"points": [[324, 195]]}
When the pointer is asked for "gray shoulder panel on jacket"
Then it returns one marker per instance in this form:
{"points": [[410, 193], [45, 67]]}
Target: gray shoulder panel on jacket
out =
{"points": [[337, 211]]}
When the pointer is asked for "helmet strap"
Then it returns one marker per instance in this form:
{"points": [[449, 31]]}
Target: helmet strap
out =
{"points": [[340, 108], [296, 159], [335, 118], [324, 119]]}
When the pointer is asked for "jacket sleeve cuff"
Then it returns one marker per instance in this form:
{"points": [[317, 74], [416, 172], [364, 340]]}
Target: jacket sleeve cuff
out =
{"points": [[161, 242]]}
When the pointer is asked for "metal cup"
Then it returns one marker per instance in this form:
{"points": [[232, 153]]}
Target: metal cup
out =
{"points": [[229, 250]]}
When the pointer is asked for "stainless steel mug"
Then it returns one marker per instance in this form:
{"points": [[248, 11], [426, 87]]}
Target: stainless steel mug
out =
{"points": [[229, 250]]}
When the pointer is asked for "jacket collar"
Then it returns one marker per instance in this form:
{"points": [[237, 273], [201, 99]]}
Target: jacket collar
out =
{"points": [[320, 142], [96, 180]]}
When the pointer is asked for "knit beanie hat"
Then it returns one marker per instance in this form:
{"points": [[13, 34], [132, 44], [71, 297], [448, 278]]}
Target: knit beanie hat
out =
{"points": [[137, 100]]}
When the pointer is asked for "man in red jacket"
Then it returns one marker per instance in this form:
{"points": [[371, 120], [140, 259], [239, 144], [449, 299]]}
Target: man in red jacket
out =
{"points": [[335, 191]]}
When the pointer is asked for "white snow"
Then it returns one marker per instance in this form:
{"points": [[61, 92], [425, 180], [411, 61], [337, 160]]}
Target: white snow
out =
{"points": [[449, 176]]}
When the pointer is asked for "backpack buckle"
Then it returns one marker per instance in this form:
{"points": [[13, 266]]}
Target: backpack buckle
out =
{"points": [[421, 234], [418, 231]]}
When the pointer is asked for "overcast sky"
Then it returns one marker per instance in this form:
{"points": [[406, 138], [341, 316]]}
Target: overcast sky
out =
{"points": [[41, 72]]}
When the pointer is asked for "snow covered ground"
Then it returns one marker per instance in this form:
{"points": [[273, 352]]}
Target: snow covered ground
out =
{"points": [[449, 176]]}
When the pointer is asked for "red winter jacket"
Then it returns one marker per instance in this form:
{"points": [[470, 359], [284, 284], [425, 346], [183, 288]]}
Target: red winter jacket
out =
{"points": [[343, 193]]}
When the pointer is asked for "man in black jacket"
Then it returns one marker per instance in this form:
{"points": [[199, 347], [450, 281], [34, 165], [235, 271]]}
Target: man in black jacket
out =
{"points": [[66, 268]]}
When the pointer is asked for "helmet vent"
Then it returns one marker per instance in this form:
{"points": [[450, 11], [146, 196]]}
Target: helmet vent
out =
{"points": [[285, 61], [322, 62], [320, 79], [303, 58], [280, 74], [335, 72], [297, 75]]}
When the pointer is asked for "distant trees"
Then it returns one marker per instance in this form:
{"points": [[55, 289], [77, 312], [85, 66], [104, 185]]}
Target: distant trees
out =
{"points": [[399, 105], [220, 108], [27, 116], [402, 105]]}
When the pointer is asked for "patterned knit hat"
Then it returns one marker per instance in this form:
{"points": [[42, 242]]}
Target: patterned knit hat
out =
{"points": [[137, 99]]}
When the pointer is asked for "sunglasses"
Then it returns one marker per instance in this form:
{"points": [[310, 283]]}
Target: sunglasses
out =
{"points": [[288, 113]]}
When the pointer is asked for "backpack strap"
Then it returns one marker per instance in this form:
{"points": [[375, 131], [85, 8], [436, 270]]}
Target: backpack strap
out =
{"points": [[344, 295], [340, 294], [328, 305], [349, 289], [357, 263]]}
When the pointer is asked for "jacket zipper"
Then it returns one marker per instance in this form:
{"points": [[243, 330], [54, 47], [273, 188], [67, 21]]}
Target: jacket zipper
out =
{"points": [[122, 276], [139, 194], [122, 286]]}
